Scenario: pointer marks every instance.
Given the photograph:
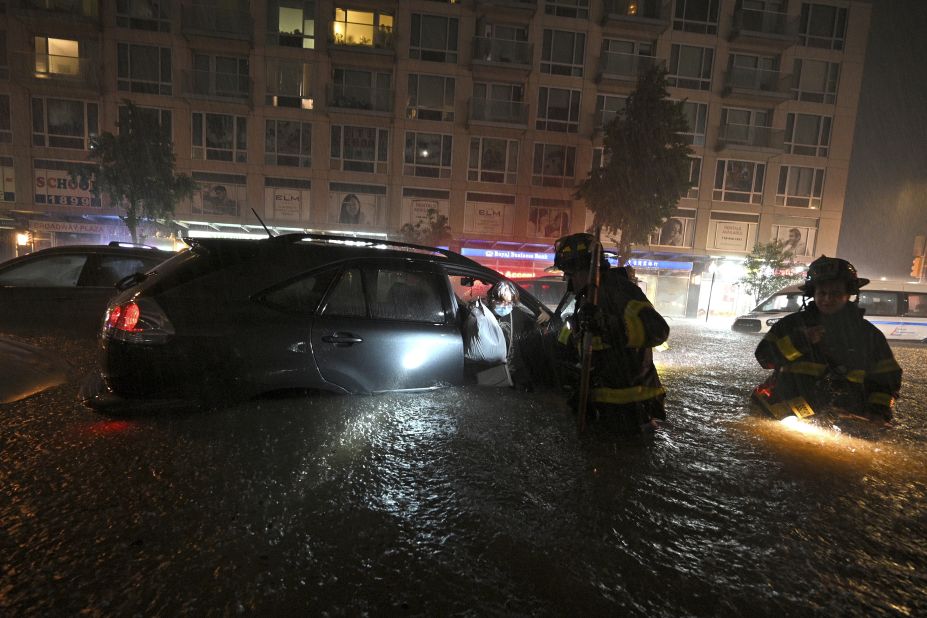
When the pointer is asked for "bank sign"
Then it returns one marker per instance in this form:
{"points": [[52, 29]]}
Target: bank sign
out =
{"points": [[54, 186]]}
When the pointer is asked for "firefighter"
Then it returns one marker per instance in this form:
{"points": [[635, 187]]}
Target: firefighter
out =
{"points": [[625, 387], [826, 357]]}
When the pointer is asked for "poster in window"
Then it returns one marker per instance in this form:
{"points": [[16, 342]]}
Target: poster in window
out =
{"points": [[731, 235], [55, 187], [672, 233], [797, 239], [218, 198], [424, 210], [357, 209], [548, 222], [488, 218], [286, 204], [675, 232], [7, 183]]}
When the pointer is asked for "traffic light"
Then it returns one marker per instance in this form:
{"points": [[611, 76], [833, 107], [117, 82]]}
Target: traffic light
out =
{"points": [[917, 266]]}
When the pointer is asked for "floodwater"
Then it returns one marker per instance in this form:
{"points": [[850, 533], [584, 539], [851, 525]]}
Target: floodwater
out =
{"points": [[465, 501]]}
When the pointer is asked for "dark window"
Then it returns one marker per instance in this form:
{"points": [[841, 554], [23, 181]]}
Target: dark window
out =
{"points": [[300, 296], [347, 297]]}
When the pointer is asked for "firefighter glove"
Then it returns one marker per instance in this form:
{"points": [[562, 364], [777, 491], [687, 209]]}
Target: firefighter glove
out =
{"points": [[590, 318]]}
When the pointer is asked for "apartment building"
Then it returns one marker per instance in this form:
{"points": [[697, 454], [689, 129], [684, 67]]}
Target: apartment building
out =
{"points": [[363, 116]]}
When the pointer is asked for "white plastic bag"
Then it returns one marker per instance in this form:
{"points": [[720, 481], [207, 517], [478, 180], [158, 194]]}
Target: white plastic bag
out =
{"points": [[484, 341]]}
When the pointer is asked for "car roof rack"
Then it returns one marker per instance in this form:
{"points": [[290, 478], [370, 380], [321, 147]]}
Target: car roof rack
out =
{"points": [[371, 242], [131, 245]]}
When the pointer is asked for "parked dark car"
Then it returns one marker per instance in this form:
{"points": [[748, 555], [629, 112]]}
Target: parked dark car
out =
{"points": [[239, 318], [64, 290]]}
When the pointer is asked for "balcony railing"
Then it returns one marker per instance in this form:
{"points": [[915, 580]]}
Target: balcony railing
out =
{"points": [[217, 22], [501, 51], [753, 136], [381, 38], [768, 23], [82, 9], [62, 70], [150, 15], [288, 95], [624, 66], [216, 85], [501, 111], [527, 5], [291, 39], [764, 82], [426, 112], [637, 11], [360, 97]]}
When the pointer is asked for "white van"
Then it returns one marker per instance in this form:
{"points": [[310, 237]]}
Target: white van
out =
{"points": [[896, 308]]}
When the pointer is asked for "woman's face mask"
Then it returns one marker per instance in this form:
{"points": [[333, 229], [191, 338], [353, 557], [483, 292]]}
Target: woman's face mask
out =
{"points": [[502, 310]]}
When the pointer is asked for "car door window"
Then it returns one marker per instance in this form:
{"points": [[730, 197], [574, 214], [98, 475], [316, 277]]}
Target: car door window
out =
{"points": [[469, 289], [113, 268], [347, 297], [879, 303], [917, 305], [300, 296], [405, 295], [57, 271]]}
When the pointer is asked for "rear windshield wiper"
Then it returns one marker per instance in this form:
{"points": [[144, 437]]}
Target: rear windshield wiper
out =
{"points": [[126, 282]]}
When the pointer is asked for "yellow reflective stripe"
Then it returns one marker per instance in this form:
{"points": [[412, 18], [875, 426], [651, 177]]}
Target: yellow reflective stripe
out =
{"points": [[805, 368], [799, 406], [881, 399], [857, 376], [886, 365], [787, 348], [633, 322], [563, 337], [626, 395], [598, 345]]}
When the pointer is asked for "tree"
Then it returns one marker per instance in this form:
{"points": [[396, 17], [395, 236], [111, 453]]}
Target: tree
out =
{"points": [[646, 165], [432, 231], [135, 170], [769, 267]]}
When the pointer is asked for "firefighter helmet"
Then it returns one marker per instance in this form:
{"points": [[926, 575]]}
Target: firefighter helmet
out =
{"points": [[832, 269], [574, 252]]}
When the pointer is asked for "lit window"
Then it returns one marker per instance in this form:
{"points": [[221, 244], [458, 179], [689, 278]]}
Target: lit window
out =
{"points": [[57, 56]]}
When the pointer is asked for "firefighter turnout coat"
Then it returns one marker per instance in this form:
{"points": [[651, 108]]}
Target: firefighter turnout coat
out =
{"points": [[623, 373], [838, 360]]}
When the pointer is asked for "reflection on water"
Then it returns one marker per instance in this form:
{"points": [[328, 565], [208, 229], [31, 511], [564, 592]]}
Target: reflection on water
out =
{"points": [[471, 501]]}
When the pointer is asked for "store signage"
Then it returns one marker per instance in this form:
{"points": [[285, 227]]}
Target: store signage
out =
{"points": [[660, 264], [500, 254], [67, 227], [54, 186]]}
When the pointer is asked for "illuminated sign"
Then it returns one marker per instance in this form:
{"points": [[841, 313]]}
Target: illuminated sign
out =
{"points": [[660, 264], [500, 254]]}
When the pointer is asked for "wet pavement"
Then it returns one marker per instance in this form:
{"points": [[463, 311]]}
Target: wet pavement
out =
{"points": [[464, 501]]}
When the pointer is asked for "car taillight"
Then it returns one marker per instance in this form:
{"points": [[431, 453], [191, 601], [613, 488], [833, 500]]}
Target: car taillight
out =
{"points": [[124, 317], [137, 321]]}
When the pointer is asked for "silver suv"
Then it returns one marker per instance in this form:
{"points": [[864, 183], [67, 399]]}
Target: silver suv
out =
{"points": [[238, 318]]}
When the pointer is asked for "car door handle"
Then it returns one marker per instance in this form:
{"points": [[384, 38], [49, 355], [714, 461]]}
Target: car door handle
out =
{"points": [[342, 339]]}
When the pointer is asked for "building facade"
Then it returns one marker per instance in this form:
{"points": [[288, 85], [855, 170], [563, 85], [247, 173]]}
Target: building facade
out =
{"points": [[363, 117]]}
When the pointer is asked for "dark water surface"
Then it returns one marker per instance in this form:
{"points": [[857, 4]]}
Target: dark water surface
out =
{"points": [[465, 501]]}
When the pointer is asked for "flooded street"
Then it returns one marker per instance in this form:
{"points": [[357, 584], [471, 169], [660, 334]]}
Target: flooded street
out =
{"points": [[467, 501]]}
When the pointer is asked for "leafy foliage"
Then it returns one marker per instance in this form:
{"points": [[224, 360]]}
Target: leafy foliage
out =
{"points": [[135, 170], [433, 231], [646, 165], [769, 267]]}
